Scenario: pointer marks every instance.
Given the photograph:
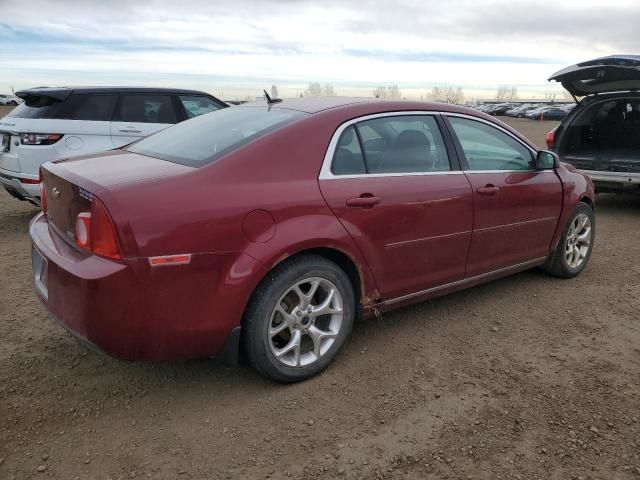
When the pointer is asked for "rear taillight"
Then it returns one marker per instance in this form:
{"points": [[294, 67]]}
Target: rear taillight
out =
{"points": [[95, 232], [43, 193], [550, 138], [39, 138]]}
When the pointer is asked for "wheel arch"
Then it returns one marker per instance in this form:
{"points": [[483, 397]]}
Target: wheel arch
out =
{"points": [[586, 199]]}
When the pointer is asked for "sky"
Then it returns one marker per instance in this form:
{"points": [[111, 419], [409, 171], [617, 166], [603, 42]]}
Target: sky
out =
{"points": [[236, 48]]}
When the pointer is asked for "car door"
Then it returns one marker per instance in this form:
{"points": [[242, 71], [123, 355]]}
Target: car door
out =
{"points": [[141, 114], [516, 208], [407, 205]]}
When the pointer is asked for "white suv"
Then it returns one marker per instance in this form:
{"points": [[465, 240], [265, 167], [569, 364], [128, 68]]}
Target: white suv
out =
{"points": [[10, 100], [55, 123]]}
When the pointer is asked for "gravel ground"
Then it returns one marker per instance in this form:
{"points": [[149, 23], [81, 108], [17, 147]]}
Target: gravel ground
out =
{"points": [[528, 377]]}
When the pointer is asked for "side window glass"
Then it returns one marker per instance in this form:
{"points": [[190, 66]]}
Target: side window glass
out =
{"points": [[197, 105], [487, 148], [348, 159], [141, 108], [404, 144], [98, 107]]}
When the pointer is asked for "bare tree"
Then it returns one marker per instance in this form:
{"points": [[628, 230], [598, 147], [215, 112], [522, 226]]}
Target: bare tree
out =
{"points": [[316, 89], [274, 91], [446, 95], [550, 96], [391, 91], [507, 93]]}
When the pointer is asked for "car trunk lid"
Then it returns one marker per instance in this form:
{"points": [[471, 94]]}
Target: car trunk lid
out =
{"points": [[71, 184], [615, 73]]}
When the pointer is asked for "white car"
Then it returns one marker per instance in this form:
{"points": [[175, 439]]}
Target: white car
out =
{"points": [[10, 100], [55, 123]]}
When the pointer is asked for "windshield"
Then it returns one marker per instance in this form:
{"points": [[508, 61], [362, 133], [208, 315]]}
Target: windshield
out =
{"points": [[204, 139]]}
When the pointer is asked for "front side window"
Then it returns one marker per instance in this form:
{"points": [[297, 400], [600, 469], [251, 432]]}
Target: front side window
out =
{"points": [[487, 148], [391, 145], [206, 138], [143, 108], [196, 105]]}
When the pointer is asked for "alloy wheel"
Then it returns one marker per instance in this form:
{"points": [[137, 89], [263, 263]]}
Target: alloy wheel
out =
{"points": [[305, 322], [578, 241]]}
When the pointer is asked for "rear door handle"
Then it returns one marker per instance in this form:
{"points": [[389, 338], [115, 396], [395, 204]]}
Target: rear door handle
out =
{"points": [[364, 201], [130, 131], [488, 190]]}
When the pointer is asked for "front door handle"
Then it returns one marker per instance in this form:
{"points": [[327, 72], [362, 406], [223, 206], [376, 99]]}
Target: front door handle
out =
{"points": [[130, 131], [488, 190], [364, 201]]}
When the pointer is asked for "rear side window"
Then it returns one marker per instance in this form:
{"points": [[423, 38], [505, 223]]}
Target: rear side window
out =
{"points": [[196, 105], [88, 107], [142, 108], [206, 138], [391, 145], [348, 158]]}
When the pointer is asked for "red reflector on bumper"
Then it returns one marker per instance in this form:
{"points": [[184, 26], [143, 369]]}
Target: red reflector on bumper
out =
{"points": [[29, 181], [170, 260]]}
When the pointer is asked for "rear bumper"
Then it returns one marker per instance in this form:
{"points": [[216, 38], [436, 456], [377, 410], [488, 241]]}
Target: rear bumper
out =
{"points": [[12, 184], [133, 311], [613, 180]]}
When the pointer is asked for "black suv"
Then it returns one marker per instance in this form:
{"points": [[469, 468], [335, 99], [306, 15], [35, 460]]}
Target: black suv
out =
{"points": [[601, 136]]}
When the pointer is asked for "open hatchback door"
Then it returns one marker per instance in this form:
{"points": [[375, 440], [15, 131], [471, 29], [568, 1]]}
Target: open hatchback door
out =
{"points": [[615, 73]]}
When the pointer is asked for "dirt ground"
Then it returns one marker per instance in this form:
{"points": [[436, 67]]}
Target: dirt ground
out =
{"points": [[528, 377]]}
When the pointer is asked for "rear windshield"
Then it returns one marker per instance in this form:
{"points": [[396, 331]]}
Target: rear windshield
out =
{"points": [[95, 107], [204, 139]]}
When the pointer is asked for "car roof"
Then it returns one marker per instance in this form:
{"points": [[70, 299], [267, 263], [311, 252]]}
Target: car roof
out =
{"points": [[61, 93], [320, 104], [345, 108]]}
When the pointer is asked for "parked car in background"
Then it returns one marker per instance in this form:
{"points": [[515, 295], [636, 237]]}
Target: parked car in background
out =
{"points": [[9, 100], [521, 111], [276, 226], [601, 135], [501, 109], [547, 113], [54, 123]]}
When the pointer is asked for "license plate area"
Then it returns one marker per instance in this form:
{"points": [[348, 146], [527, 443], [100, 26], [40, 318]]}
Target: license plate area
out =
{"points": [[5, 142], [40, 269]]}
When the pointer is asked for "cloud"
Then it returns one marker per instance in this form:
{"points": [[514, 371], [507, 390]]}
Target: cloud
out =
{"points": [[243, 44]]}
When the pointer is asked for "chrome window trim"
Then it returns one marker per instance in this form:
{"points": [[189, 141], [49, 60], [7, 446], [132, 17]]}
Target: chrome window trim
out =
{"points": [[327, 174]]}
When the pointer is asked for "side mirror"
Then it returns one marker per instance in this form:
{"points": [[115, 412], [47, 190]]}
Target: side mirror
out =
{"points": [[546, 160]]}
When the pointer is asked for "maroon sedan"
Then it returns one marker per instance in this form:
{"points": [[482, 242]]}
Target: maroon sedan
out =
{"points": [[271, 228]]}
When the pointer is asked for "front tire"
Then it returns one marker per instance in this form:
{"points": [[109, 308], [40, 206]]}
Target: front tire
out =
{"points": [[298, 318], [573, 251]]}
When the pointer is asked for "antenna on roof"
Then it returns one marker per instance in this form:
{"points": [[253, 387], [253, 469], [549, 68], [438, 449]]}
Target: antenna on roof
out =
{"points": [[270, 100]]}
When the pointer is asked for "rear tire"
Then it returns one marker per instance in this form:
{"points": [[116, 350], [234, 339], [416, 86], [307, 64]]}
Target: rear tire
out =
{"points": [[298, 318], [573, 251]]}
